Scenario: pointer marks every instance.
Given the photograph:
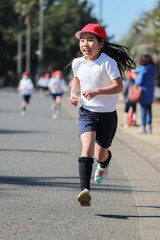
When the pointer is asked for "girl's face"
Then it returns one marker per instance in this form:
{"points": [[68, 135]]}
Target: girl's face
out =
{"points": [[25, 76], [89, 46], [58, 76]]}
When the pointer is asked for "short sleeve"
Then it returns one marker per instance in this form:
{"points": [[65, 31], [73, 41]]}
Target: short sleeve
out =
{"points": [[30, 84], [74, 67], [112, 69]]}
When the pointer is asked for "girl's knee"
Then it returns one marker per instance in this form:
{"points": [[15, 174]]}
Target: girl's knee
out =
{"points": [[88, 150]]}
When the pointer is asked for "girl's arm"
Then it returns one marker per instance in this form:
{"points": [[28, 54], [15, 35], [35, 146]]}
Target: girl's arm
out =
{"points": [[114, 88], [140, 80], [74, 89], [63, 86]]}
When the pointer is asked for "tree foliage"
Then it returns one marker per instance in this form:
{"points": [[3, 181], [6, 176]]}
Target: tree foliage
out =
{"points": [[144, 37], [62, 18]]}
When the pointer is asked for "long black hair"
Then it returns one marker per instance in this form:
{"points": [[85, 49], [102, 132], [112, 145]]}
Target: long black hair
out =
{"points": [[119, 53]]}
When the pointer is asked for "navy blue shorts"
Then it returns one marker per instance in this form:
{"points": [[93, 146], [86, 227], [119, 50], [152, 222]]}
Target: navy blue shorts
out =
{"points": [[26, 98], [128, 105], [44, 88], [104, 124], [54, 95]]}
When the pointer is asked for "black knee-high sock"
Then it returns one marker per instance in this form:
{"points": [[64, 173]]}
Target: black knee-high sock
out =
{"points": [[106, 163], [24, 108], [85, 171]]}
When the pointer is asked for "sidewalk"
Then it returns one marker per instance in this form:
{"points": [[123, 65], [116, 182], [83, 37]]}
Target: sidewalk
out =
{"points": [[148, 145], [153, 139], [143, 170]]}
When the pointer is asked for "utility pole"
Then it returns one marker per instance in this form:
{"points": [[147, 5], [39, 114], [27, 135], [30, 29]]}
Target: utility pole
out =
{"points": [[39, 52], [100, 12], [19, 44], [28, 41]]}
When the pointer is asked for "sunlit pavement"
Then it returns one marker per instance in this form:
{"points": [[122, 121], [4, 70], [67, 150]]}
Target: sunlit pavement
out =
{"points": [[39, 180]]}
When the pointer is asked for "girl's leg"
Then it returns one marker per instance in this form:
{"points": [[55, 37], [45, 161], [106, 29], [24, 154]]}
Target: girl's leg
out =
{"points": [[143, 114], [88, 143], [58, 104], [58, 100], [86, 159], [126, 119], [54, 104], [149, 118], [53, 107], [24, 104], [103, 156], [126, 110], [142, 129], [149, 114]]}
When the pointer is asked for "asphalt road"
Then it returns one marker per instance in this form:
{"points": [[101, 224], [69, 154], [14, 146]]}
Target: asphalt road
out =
{"points": [[39, 180]]}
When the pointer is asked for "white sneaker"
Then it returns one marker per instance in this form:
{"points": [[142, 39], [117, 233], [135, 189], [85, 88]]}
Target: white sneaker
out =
{"points": [[101, 173], [149, 129], [142, 130], [54, 115], [84, 198], [23, 113], [125, 125]]}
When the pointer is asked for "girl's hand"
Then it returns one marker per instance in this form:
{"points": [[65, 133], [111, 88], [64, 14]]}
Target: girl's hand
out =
{"points": [[73, 99], [53, 86], [89, 94]]}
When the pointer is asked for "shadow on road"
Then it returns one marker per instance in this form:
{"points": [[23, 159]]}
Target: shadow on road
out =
{"points": [[31, 150], [9, 131], [124, 217], [63, 182]]}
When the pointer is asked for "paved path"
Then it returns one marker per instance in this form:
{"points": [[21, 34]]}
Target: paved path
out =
{"points": [[39, 180]]}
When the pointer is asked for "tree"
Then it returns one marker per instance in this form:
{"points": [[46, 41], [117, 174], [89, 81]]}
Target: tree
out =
{"points": [[8, 42], [144, 37], [62, 18]]}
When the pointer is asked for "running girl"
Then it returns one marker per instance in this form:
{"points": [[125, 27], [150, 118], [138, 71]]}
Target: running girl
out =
{"points": [[97, 72], [56, 86], [25, 88]]}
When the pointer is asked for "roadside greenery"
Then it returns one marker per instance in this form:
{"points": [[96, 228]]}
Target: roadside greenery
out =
{"points": [[144, 37], [62, 18]]}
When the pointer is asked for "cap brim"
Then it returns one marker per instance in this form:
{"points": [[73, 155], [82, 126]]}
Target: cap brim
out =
{"points": [[78, 34]]}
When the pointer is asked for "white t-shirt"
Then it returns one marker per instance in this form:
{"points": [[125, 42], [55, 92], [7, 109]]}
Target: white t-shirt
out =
{"points": [[97, 74], [43, 82], [26, 86], [58, 85]]}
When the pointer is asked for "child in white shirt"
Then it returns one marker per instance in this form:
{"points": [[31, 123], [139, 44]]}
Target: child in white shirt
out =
{"points": [[25, 88], [56, 86], [97, 73]]}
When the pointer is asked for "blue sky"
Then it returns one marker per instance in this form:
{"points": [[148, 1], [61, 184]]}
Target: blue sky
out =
{"points": [[119, 15]]}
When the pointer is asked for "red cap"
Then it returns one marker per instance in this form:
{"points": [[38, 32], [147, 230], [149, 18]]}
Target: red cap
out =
{"points": [[46, 75], [92, 28], [26, 73], [53, 73], [41, 76], [130, 74], [58, 72]]}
